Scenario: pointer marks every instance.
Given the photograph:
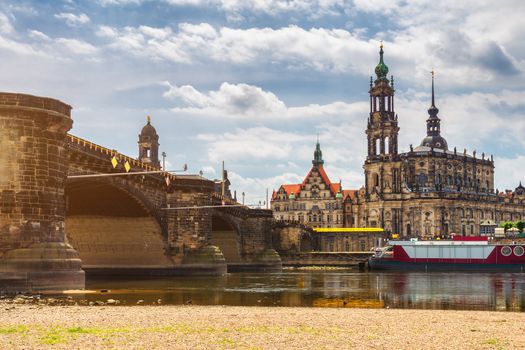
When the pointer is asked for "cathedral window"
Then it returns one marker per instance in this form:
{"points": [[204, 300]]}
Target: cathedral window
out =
{"points": [[422, 178], [375, 179]]}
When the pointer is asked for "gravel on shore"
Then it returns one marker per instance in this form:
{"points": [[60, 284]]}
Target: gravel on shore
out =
{"points": [[232, 327]]}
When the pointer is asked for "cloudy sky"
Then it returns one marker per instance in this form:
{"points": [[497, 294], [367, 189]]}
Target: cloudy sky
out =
{"points": [[253, 82]]}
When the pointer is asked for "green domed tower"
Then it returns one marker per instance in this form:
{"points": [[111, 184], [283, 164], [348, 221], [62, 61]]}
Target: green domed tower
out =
{"points": [[382, 132], [381, 68]]}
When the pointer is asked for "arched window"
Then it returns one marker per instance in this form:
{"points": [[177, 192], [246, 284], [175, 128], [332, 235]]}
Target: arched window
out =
{"points": [[387, 145], [378, 147], [422, 178], [375, 179]]}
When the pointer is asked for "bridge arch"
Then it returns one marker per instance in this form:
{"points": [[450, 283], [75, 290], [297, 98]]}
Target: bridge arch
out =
{"points": [[225, 234], [113, 225]]}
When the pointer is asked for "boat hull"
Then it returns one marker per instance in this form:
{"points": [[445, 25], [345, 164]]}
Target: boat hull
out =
{"points": [[389, 264]]}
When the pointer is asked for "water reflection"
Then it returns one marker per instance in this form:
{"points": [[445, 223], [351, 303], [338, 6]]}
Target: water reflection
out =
{"points": [[468, 291]]}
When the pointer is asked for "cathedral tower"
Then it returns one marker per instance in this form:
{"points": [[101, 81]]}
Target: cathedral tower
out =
{"points": [[149, 145], [382, 127], [382, 165]]}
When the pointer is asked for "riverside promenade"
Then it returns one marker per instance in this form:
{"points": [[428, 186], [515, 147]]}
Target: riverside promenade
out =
{"points": [[218, 327]]}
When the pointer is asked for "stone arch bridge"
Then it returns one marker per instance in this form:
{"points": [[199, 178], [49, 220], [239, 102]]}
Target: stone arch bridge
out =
{"points": [[55, 227], [158, 223]]}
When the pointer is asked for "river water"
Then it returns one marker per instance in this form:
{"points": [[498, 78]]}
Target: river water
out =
{"points": [[324, 288]]}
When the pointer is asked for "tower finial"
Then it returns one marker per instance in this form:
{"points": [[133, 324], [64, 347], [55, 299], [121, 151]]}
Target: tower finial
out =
{"points": [[432, 72], [381, 68], [149, 119], [318, 154]]}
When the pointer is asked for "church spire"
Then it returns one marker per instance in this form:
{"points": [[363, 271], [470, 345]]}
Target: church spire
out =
{"points": [[433, 110], [434, 138], [318, 154]]}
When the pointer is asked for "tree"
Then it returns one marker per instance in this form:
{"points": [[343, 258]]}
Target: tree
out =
{"points": [[520, 225], [506, 225]]}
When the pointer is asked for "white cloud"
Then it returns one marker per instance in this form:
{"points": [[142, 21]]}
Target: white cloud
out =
{"points": [[75, 46], [321, 49], [230, 101], [38, 35], [238, 10], [253, 144], [411, 53], [252, 103], [5, 24], [119, 2], [513, 171], [208, 170], [255, 187], [73, 20]]}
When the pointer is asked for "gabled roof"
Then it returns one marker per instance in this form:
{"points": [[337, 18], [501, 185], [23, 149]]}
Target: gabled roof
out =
{"points": [[296, 188], [334, 187], [349, 194], [288, 189]]}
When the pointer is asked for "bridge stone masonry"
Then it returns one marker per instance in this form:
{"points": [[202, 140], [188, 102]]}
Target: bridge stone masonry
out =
{"points": [[56, 227]]}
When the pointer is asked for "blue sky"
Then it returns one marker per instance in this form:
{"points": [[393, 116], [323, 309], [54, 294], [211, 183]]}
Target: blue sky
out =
{"points": [[253, 82]]}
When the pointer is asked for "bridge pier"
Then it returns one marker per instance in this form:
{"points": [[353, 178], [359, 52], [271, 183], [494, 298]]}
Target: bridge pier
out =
{"points": [[34, 252], [257, 249], [188, 229]]}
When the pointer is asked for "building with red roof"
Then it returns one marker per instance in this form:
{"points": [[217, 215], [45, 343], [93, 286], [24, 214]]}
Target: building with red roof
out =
{"points": [[315, 202]]}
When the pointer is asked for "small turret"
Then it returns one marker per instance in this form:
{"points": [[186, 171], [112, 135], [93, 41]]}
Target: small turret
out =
{"points": [[149, 145], [318, 154]]}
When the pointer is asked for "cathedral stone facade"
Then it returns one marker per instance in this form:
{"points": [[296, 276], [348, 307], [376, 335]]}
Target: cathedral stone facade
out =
{"points": [[430, 191]]}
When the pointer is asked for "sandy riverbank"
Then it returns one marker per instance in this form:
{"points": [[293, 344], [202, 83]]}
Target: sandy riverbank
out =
{"points": [[216, 327]]}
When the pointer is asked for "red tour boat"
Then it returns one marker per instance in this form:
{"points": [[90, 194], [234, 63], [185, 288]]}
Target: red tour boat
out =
{"points": [[459, 254]]}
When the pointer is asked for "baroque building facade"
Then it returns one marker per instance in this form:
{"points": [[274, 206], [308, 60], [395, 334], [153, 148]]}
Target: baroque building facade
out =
{"points": [[316, 202], [431, 190]]}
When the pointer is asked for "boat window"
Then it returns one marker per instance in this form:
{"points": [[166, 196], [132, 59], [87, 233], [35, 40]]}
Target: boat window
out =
{"points": [[506, 251], [518, 251]]}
